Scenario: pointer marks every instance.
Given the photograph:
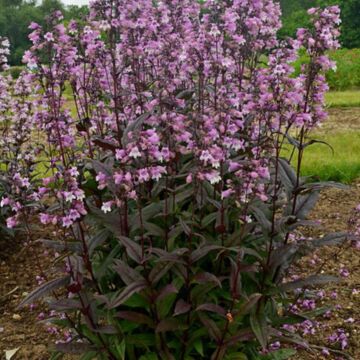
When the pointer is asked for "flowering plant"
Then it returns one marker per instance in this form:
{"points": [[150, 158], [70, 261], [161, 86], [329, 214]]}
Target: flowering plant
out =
{"points": [[177, 214]]}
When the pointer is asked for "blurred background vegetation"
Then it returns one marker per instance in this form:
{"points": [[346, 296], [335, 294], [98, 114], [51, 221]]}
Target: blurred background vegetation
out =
{"points": [[16, 15]]}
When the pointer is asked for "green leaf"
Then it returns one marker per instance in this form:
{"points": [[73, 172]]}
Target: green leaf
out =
{"points": [[282, 354], [151, 356], [198, 346], [129, 290], [259, 327], [236, 356], [92, 355], [121, 349]]}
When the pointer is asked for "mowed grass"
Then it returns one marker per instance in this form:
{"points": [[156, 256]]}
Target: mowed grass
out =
{"points": [[342, 165], [343, 134], [347, 98]]}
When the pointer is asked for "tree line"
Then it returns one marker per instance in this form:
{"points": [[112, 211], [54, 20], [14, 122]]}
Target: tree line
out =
{"points": [[295, 16], [16, 15]]}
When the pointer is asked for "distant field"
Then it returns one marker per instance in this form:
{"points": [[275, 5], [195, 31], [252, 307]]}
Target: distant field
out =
{"points": [[347, 98], [342, 132]]}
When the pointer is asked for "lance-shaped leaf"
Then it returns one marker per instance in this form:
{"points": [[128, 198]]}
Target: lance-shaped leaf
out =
{"points": [[323, 185], [202, 251], [206, 277], [211, 327], [282, 256], [217, 309], [104, 144], [45, 289], [261, 217], [167, 290], [129, 290], [260, 328], [154, 230], [287, 175], [158, 271], [312, 280], [98, 240], [133, 249], [109, 221], [148, 212], [74, 348], [235, 279], [181, 307], [127, 274], [65, 304], [135, 317], [333, 239], [72, 246], [133, 126], [305, 203], [240, 336], [248, 305], [170, 325]]}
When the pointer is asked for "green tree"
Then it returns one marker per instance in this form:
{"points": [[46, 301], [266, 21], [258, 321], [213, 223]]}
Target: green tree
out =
{"points": [[16, 16]]}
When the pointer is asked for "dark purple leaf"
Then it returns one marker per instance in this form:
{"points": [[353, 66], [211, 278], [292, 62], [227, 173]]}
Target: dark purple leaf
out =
{"points": [[98, 239], [240, 336], [181, 307], [133, 249], [248, 305], [104, 144], [106, 329], [135, 317], [167, 290], [310, 281], [74, 348], [154, 230], [72, 246], [334, 239], [127, 274], [235, 279], [212, 308], [185, 227], [200, 252], [170, 325], [65, 304], [206, 277], [211, 327], [45, 289], [130, 290], [158, 271], [305, 203]]}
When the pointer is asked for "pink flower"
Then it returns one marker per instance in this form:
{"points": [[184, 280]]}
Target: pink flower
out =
{"points": [[49, 36], [11, 222], [106, 207]]}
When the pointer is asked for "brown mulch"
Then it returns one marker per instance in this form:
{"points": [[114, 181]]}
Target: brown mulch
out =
{"points": [[334, 210]]}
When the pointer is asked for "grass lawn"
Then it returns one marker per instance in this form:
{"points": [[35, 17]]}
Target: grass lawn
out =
{"points": [[348, 98], [343, 165]]}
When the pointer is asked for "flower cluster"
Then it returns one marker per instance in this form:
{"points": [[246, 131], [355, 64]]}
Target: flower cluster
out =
{"points": [[188, 85], [4, 53]]}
